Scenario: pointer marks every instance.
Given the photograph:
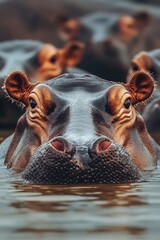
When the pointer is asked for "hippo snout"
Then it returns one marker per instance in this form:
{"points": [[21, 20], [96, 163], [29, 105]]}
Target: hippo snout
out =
{"points": [[61, 162], [80, 154]]}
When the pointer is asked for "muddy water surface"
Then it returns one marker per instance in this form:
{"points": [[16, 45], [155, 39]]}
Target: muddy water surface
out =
{"points": [[88, 212]]}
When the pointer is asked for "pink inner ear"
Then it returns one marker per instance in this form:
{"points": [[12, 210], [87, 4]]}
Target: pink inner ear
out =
{"points": [[103, 145]]}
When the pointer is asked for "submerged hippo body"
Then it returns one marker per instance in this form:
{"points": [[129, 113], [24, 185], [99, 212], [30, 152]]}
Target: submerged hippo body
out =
{"points": [[39, 61], [80, 129], [150, 61]]}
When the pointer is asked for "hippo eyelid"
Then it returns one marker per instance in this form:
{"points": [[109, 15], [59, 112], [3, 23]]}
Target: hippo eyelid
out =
{"points": [[123, 100], [35, 96], [32, 103], [127, 103], [43, 101]]}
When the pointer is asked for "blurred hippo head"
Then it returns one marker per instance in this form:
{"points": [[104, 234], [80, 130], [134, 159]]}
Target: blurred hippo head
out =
{"points": [[79, 128], [40, 61], [150, 61], [109, 38]]}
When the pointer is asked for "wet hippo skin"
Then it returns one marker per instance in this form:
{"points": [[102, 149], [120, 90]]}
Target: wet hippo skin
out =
{"points": [[80, 129], [40, 61], [150, 61]]}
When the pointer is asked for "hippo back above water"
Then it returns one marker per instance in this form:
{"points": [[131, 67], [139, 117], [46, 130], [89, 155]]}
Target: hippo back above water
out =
{"points": [[80, 129]]}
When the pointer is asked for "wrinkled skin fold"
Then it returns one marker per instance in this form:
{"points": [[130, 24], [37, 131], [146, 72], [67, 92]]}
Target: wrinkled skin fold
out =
{"points": [[79, 128]]}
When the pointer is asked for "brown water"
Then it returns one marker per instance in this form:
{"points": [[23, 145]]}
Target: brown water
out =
{"points": [[104, 211]]}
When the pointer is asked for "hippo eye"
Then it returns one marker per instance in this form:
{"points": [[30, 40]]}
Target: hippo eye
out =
{"points": [[32, 103], [53, 59], [135, 67], [127, 103]]}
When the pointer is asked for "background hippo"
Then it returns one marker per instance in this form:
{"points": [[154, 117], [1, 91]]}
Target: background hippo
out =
{"points": [[111, 39], [40, 62], [113, 30], [150, 61], [80, 129]]}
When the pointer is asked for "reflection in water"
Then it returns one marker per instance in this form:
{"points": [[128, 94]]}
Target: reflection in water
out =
{"points": [[104, 211], [94, 209], [90, 210]]}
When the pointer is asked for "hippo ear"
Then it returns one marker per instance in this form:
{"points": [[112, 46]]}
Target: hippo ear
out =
{"points": [[73, 52], [140, 86], [18, 87]]}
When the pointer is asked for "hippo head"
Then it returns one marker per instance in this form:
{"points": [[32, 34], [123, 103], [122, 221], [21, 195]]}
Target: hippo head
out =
{"points": [[80, 129], [102, 25], [53, 61], [109, 37], [114, 38], [150, 61], [41, 61], [142, 60]]}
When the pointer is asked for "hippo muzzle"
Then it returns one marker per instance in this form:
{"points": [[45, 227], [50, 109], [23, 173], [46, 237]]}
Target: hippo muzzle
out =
{"points": [[59, 162], [80, 129]]}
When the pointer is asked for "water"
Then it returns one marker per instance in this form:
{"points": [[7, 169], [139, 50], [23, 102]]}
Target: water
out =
{"points": [[88, 212]]}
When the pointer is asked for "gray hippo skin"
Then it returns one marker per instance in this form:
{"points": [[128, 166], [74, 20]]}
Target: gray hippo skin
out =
{"points": [[40, 62], [150, 61], [79, 128]]}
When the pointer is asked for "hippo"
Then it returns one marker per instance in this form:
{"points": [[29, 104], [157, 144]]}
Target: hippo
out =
{"points": [[111, 40], [41, 61], [149, 61], [78, 128], [126, 33]]}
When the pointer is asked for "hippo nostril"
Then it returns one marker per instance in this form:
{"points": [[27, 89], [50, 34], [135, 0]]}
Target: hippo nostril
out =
{"points": [[103, 146], [58, 145], [61, 146]]}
